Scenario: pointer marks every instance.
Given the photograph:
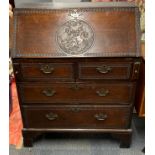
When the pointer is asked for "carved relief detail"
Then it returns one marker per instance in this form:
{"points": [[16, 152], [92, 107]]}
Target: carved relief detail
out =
{"points": [[74, 13], [75, 37]]}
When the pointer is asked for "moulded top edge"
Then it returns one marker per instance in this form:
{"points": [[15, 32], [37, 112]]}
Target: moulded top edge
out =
{"points": [[53, 5]]}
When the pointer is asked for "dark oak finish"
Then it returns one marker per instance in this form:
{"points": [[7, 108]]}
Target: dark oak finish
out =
{"points": [[112, 117], [74, 71], [116, 35], [78, 93], [140, 98], [109, 37], [125, 139], [47, 71], [104, 70], [85, 69]]}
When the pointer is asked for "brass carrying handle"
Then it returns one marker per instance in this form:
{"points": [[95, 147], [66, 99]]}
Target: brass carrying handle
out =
{"points": [[47, 69], [102, 92], [51, 116], [100, 116], [49, 92], [103, 69]]}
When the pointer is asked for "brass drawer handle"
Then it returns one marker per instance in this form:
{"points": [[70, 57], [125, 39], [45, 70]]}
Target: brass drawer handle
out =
{"points": [[103, 69], [103, 92], [47, 69], [75, 109], [100, 116], [51, 116], [49, 92]]}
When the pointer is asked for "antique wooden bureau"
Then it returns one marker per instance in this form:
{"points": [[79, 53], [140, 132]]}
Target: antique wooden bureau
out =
{"points": [[76, 67]]}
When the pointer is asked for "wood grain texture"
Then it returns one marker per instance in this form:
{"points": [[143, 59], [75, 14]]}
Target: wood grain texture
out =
{"points": [[77, 93], [115, 32], [140, 97], [116, 117], [63, 90], [47, 71], [99, 70], [76, 69]]}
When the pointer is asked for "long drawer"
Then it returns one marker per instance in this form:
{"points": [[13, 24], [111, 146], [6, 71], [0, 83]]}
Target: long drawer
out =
{"points": [[76, 117], [77, 93]]}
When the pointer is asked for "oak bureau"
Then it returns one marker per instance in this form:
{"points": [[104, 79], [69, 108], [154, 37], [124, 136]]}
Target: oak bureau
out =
{"points": [[76, 67]]}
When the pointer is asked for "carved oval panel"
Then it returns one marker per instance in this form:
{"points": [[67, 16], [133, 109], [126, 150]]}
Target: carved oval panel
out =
{"points": [[75, 37]]}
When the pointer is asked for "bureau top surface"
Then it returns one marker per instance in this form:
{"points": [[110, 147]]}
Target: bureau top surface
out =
{"points": [[58, 5], [49, 30]]}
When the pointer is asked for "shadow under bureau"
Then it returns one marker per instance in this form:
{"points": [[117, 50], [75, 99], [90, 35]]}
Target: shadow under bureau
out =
{"points": [[76, 67]]}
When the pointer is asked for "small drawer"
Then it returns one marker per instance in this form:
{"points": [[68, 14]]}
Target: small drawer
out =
{"points": [[104, 70], [45, 71], [77, 117], [78, 93]]}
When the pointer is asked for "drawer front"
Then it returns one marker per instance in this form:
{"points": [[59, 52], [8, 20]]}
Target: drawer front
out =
{"points": [[77, 117], [46, 71], [107, 70], [78, 93]]}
